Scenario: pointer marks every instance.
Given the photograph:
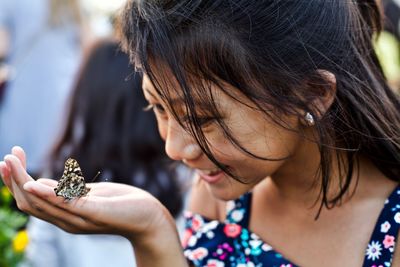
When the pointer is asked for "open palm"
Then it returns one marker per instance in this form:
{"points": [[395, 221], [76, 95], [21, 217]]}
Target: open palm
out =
{"points": [[108, 208]]}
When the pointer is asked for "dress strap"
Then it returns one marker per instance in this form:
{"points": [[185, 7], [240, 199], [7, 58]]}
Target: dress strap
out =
{"points": [[238, 211], [382, 243]]}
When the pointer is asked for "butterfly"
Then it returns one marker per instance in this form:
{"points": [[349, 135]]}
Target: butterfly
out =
{"points": [[72, 183]]}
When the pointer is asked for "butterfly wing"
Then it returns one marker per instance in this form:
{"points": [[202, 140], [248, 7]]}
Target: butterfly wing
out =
{"points": [[72, 183]]}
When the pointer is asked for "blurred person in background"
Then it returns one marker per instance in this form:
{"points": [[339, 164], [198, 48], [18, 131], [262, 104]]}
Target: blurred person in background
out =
{"points": [[108, 131], [4, 70], [41, 43]]}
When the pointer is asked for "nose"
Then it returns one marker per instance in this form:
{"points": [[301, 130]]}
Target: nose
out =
{"points": [[179, 144]]}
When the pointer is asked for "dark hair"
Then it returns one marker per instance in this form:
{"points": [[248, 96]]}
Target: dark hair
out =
{"points": [[108, 131], [272, 52]]}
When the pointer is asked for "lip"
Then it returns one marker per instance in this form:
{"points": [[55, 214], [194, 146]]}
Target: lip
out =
{"points": [[211, 179]]}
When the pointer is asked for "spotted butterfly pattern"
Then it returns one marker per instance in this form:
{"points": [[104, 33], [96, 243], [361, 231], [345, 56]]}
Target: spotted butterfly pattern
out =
{"points": [[72, 183]]}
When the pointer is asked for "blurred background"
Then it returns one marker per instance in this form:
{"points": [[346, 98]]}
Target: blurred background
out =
{"points": [[47, 48], [100, 14]]}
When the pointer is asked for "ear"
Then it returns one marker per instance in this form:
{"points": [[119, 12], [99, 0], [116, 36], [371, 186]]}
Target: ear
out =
{"points": [[321, 103]]}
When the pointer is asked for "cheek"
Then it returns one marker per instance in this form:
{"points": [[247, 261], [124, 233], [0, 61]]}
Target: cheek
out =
{"points": [[162, 128], [263, 140], [266, 139], [278, 144]]}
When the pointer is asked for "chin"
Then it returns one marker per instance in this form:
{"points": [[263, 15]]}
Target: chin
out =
{"points": [[225, 192]]}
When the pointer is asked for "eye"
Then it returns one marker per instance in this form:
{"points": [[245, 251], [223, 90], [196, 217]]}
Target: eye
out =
{"points": [[203, 121], [157, 108]]}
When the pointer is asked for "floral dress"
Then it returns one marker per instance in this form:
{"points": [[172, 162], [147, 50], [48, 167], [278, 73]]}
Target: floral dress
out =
{"points": [[212, 243]]}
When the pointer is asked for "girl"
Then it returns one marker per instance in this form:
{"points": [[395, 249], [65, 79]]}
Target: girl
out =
{"points": [[282, 109]]}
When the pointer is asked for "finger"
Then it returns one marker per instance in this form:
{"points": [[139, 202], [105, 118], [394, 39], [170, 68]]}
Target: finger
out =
{"points": [[64, 219], [44, 191], [39, 189], [48, 182], [5, 174], [44, 204], [40, 201], [80, 206], [18, 173], [19, 153], [20, 196], [89, 208]]}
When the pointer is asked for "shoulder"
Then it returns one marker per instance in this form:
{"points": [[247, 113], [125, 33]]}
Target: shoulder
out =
{"points": [[202, 202]]}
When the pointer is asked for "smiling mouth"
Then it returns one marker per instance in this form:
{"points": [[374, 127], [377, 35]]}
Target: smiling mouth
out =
{"points": [[210, 172], [211, 176]]}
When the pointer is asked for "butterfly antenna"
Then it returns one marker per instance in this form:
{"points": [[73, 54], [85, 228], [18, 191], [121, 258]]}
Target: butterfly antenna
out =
{"points": [[94, 178]]}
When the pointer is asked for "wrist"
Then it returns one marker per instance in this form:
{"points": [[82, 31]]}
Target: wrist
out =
{"points": [[160, 245], [160, 227]]}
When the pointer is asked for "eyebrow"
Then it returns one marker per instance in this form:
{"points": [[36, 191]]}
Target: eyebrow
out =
{"points": [[148, 91], [179, 101]]}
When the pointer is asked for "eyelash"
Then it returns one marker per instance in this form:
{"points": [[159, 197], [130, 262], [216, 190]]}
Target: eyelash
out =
{"points": [[203, 121], [157, 108]]}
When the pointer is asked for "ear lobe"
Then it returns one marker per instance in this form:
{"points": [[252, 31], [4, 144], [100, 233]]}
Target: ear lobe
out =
{"points": [[321, 103]]}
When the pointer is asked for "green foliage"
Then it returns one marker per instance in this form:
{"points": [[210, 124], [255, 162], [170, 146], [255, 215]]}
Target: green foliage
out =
{"points": [[12, 238]]}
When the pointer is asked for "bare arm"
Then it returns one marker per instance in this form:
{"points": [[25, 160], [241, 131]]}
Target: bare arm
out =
{"points": [[163, 249], [109, 208]]}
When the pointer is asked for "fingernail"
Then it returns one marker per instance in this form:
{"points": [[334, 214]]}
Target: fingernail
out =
{"points": [[7, 157], [1, 170]]}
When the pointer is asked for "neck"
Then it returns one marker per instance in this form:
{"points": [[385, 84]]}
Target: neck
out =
{"points": [[299, 181]]}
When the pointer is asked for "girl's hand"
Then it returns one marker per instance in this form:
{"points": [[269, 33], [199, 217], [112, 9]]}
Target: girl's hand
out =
{"points": [[108, 208]]}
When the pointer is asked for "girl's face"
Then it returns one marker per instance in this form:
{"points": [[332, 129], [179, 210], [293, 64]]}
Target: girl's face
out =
{"points": [[253, 130]]}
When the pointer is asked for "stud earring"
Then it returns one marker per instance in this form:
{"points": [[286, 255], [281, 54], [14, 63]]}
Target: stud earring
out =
{"points": [[309, 118]]}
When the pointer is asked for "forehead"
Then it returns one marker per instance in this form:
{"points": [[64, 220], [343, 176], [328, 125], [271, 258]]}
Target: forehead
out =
{"points": [[169, 88], [202, 93], [147, 85], [164, 85], [175, 99]]}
